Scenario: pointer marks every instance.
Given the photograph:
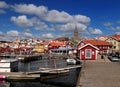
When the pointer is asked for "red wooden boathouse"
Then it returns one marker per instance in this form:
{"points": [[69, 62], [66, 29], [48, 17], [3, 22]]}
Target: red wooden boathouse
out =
{"points": [[88, 52]]}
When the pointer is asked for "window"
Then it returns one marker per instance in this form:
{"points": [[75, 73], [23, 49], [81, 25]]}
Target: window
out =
{"points": [[88, 53], [114, 42], [114, 47]]}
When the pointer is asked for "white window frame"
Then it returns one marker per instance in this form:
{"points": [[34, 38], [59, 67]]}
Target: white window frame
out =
{"points": [[86, 53]]}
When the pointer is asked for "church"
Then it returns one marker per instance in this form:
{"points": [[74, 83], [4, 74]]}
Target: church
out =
{"points": [[76, 34]]}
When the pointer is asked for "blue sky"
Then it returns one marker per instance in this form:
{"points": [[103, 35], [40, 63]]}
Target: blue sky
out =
{"points": [[47, 19]]}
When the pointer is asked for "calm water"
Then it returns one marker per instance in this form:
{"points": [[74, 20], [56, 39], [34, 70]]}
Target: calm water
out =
{"points": [[68, 80], [29, 84]]}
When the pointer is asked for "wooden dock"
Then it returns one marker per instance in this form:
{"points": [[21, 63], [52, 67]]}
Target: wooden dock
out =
{"points": [[100, 73]]}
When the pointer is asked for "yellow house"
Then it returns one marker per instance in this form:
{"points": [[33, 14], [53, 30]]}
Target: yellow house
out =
{"points": [[115, 41], [39, 48]]}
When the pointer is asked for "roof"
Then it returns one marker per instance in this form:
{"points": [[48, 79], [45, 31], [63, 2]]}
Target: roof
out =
{"points": [[96, 42], [57, 43], [103, 37], [88, 45], [116, 37]]}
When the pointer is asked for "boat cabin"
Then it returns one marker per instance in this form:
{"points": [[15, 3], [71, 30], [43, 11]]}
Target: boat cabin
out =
{"points": [[8, 65]]}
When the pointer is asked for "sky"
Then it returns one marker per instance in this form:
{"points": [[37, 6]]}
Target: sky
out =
{"points": [[50, 19]]}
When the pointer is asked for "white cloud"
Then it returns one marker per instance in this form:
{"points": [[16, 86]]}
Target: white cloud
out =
{"points": [[71, 26], [95, 31], [2, 11], [50, 15], [45, 18], [3, 4], [1, 33], [118, 33], [27, 30], [118, 21], [82, 18], [64, 17], [30, 9], [22, 21], [13, 33], [27, 34], [7, 37], [107, 24], [114, 28], [41, 26], [118, 27], [56, 16], [48, 35]]}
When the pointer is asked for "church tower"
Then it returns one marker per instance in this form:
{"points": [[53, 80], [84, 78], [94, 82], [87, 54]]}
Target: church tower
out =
{"points": [[76, 36]]}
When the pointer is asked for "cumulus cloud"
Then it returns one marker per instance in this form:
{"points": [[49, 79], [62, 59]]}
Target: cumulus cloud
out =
{"points": [[30, 9], [118, 27], [49, 15], [114, 28], [2, 11], [71, 26], [64, 17], [56, 16], [95, 31], [13, 33], [118, 33], [45, 19], [48, 35], [22, 21], [41, 26], [82, 18], [3, 4], [1, 33], [107, 24], [28, 34], [9, 36]]}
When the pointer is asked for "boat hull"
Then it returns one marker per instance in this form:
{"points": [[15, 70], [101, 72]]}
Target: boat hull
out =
{"points": [[65, 80]]}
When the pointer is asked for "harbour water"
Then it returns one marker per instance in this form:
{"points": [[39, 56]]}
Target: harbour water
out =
{"points": [[29, 84], [67, 80]]}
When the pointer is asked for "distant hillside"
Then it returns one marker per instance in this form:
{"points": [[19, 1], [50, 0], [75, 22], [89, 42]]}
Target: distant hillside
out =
{"points": [[4, 41], [62, 39]]}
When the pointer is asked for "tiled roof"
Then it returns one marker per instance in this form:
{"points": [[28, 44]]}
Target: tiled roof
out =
{"points": [[97, 42], [117, 37], [104, 37], [56, 43]]}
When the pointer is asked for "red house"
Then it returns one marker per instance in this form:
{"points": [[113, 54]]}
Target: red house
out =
{"points": [[88, 52], [104, 47]]}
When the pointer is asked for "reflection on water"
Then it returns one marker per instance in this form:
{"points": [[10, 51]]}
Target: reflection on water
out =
{"points": [[26, 84], [3, 83]]}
